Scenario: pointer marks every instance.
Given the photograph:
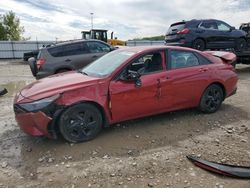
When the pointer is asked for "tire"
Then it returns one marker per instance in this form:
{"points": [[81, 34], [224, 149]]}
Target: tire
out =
{"points": [[211, 99], [199, 44], [81, 122], [240, 45]]}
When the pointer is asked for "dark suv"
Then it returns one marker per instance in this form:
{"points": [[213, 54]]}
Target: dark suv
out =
{"points": [[206, 34], [67, 56]]}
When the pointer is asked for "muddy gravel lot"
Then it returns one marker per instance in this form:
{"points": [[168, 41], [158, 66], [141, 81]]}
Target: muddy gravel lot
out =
{"points": [[147, 152]]}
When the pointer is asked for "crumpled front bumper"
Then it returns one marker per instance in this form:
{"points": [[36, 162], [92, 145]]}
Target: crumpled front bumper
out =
{"points": [[33, 123]]}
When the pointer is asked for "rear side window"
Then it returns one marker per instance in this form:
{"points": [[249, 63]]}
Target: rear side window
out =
{"points": [[192, 24], [182, 59], [208, 25], [68, 50], [98, 47]]}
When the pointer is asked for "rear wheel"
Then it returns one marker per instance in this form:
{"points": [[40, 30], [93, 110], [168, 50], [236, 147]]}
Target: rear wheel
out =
{"points": [[211, 99], [81, 122], [199, 44], [240, 45]]}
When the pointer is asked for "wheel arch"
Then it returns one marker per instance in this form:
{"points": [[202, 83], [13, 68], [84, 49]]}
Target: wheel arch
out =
{"points": [[53, 127], [219, 84]]}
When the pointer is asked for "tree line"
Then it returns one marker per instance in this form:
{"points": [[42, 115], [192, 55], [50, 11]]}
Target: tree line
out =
{"points": [[10, 28]]}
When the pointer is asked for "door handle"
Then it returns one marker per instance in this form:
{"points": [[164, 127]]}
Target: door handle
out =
{"points": [[203, 69], [94, 56], [68, 60]]}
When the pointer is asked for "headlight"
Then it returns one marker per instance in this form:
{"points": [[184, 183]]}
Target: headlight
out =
{"points": [[40, 104]]}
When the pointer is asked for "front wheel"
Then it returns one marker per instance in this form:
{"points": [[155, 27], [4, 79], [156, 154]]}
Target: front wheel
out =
{"points": [[81, 122], [211, 99]]}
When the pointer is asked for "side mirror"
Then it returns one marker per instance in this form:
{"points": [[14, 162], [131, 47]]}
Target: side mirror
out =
{"points": [[135, 76], [132, 76], [112, 48], [232, 28]]}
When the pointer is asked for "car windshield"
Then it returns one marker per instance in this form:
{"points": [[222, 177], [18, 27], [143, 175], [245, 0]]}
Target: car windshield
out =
{"points": [[105, 65]]}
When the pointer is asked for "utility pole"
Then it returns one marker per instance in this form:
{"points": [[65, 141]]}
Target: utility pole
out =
{"points": [[91, 14]]}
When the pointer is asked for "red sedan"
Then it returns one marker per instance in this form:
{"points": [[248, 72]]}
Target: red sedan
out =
{"points": [[125, 84]]}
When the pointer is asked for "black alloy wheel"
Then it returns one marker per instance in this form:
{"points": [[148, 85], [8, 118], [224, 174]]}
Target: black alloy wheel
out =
{"points": [[199, 44], [81, 122], [211, 99]]}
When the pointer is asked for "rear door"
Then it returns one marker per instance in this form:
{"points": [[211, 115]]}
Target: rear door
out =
{"points": [[69, 55], [210, 33], [187, 76], [77, 55]]}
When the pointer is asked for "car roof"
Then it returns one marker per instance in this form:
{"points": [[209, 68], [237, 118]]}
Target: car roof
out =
{"points": [[138, 49], [74, 41], [193, 20]]}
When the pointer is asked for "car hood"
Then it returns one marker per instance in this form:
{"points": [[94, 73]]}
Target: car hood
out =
{"points": [[53, 85]]}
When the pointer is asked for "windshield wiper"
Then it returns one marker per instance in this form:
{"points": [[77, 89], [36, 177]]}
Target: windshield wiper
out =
{"points": [[80, 71]]}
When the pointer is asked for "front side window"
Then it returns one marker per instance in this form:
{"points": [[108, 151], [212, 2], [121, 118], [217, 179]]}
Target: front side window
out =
{"points": [[148, 63], [208, 25], [223, 27], [182, 59], [97, 47]]}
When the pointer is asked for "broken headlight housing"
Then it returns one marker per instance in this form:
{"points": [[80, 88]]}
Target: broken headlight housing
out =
{"points": [[39, 104]]}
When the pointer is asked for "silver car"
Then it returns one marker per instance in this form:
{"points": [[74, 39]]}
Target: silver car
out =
{"points": [[67, 56]]}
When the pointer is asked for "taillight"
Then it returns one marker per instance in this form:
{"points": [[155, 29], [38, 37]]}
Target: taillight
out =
{"points": [[40, 63], [183, 31]]}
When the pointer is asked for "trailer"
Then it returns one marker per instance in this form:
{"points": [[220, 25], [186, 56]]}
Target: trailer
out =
{"points": [[243, 57]]}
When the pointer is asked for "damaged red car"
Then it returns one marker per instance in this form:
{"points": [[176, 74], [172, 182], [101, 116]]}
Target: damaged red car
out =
{"points": [[125, 84]]}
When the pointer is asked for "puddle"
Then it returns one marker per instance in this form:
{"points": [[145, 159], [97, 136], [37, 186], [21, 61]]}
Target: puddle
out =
{"points": [[14, 87]]}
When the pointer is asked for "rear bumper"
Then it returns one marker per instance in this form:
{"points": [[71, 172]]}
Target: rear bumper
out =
{"points": [[35, 124]]}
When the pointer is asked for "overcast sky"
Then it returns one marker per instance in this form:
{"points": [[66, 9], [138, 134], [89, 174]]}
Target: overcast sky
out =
{"points": [[65, 19]]}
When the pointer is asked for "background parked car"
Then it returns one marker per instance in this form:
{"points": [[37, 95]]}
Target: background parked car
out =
{"points": [[206, 34], [28, 55], [67, 56]]}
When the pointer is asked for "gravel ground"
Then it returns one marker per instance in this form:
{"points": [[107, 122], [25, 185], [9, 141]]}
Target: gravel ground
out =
{"points": [[148, 152]]}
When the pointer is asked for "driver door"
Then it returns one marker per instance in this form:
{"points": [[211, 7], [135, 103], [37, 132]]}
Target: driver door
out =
{"points": [[129, 100]]}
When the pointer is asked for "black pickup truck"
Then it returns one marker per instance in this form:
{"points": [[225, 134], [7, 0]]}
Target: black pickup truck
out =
{"points": [[27, 55], [244, 56]]}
